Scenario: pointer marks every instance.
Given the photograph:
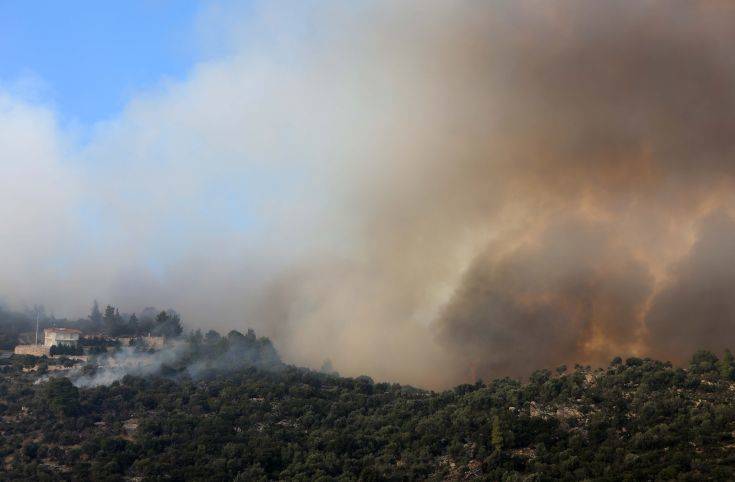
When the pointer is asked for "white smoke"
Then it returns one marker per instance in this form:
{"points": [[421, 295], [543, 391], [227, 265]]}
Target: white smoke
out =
{"points": [[126, 361]]}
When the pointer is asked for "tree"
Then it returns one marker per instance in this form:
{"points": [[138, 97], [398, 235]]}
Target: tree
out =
{"points": [[113, 322], [133, 326], [109, 315], [96, 314], [254, 473], [236, 338], [196, 338], [66, 350], [109, 320], [496, 437], [168, 324], [703, 361], [539, 377], [727, 366], [62, 397]]}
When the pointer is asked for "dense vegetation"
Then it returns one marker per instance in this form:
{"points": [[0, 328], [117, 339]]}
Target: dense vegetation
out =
{"points": [[19, 327], [635, 420]]}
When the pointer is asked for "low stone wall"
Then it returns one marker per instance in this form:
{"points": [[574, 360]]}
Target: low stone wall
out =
{"points": [[155, 342], [35, 350]]}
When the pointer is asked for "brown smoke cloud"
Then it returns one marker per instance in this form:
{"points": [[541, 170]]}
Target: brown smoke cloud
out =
{"points": [[616, 115], [696, 308], [540, 186], [505, 185]]}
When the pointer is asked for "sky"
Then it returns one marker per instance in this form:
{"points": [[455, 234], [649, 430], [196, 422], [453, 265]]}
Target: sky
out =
{"points": [[416, 190], [89, 58], [86, 61]]}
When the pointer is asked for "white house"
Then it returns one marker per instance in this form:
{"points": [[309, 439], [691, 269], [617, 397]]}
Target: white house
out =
{"points": [[61, 336]]}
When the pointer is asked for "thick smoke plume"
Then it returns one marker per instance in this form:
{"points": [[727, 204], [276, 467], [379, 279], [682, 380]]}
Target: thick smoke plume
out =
{"points": [[430, 186]]}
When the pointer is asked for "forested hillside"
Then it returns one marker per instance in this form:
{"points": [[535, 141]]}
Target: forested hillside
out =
{"points": [[637, 419]]}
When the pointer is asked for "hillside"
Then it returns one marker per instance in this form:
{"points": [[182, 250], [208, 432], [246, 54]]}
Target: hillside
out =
{"points": [[634, 420]]}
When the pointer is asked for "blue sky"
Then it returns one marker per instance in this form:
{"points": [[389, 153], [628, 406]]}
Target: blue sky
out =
{"points": [[88, 57]]}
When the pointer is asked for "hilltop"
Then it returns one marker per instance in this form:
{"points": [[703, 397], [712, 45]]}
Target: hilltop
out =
{"points": [[636, 419]]}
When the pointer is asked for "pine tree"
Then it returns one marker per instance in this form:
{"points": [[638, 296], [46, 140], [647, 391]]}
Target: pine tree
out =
{"points": [[133, 326], [109, 316], [111, 321], [96, 314]]}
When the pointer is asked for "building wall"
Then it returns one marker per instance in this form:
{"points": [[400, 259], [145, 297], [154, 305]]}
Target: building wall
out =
{"points": [[54, 338], [155, 342], [35, 350]]}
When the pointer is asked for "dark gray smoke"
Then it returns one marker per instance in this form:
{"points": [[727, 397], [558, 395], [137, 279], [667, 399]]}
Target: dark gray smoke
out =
{"points": [[696, 308]]}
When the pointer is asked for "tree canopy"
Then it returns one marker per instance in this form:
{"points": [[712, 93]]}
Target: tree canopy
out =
{"points": [[244, 419]]}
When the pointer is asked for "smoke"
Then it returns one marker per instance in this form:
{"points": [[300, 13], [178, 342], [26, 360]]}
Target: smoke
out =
{"points": [[569, 294], [192, 358], [697, 307], [407, 188], [112, 367], [124, 362]]}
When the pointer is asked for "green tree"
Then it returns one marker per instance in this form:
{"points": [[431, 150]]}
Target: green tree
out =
{"points": [[727, 366], [254, 473], [496, 436], [168, 324], [62, 397], [113, 322], [703, 361]]}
